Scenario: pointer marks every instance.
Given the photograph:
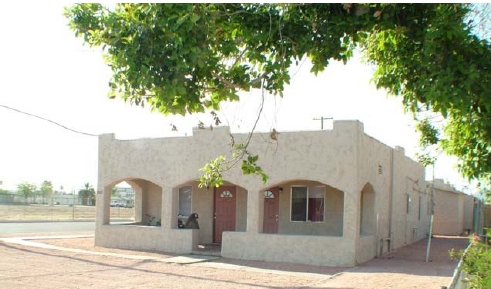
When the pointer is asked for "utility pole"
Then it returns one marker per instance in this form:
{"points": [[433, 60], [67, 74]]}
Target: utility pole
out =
{"points": [[322, 118], [432, 213]]}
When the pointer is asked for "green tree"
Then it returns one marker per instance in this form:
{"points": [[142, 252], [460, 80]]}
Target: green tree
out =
{"points": [[4, 192], [26, 190], [87, 195], [114, 192], [186, 58], [46, 190]]}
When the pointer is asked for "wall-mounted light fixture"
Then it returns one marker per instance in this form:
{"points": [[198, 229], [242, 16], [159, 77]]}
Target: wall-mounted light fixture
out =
{"points": [[280, 190]]}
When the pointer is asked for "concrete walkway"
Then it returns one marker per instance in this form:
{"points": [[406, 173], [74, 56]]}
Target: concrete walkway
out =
{"points": [[403, 268], [190, 260]]}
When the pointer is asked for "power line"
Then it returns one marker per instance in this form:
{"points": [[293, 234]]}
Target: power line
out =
{"points": [[48, 120]]}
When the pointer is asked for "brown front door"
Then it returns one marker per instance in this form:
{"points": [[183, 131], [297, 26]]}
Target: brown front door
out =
{"points": [[225, 204], [271, 211]]}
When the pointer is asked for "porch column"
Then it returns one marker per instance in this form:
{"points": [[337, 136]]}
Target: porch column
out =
{"points": [[169, 212], [351, 221], [138, 205], [103, 198], [255, 210]]}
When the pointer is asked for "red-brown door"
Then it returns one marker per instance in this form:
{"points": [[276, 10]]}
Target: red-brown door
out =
{"points": [[224, 218], [271, 211]]}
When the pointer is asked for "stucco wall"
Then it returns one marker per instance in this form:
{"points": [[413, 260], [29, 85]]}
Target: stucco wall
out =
{"points": [[334, 214], [366, 249], [241, 213], [374, 171], [325, 156], [152, 196], [393, 176], [449, 206], [409, 180], [136, 237], [313, 250], [202, 203]]}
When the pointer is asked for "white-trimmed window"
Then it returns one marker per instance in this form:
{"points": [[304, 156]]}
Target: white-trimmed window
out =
{"points": [[409, 204], [307, 203], [185, 200]]}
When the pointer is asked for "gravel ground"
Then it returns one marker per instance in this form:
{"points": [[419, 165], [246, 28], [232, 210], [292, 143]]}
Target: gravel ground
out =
{"points": [[31, 267]]}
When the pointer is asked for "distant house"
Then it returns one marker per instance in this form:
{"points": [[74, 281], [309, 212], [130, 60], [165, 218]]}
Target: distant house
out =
{"points": [[123, 197], [454, 210], [337, 197], [62, 198]]}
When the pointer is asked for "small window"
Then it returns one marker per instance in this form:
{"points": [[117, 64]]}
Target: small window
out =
{"points": [[226, 194], [409, 205], [307, 204], [268, 195], [185, 200]]}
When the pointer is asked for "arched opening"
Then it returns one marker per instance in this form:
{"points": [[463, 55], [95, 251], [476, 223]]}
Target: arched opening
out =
{"points": [[303, 207], [367, 210], [134, 201], [122, 202], [219, 209]]}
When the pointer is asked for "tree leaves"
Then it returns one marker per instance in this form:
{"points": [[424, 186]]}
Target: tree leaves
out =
{"points": [[429, 134], [26, 189], [184, 58]]}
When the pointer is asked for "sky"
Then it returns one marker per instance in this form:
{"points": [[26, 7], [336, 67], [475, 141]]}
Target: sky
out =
{"points": [[46, 71]]}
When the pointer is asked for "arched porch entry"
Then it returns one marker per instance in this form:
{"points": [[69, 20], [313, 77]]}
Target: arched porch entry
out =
{"points": [[367, 211], [303, 207], [368, 243], [122, 202], [219, 209], [145, 202]]}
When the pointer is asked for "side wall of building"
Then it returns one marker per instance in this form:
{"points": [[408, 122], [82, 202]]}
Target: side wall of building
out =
{"points": [[449, 212], [395, 179]]}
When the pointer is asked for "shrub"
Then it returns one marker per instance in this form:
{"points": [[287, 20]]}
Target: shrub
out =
{"points": [[476, 263]]}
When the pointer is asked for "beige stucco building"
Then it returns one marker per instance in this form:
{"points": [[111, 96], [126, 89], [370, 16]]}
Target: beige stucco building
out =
{"points": [[454, 210], [334, 197]]}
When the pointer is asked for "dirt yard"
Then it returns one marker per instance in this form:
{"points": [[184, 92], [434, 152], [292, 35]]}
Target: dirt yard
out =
{"points": [[44, 212], [24, 266]]}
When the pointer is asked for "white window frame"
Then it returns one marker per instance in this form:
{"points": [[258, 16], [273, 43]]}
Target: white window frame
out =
{"points": [[307, 204]]}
